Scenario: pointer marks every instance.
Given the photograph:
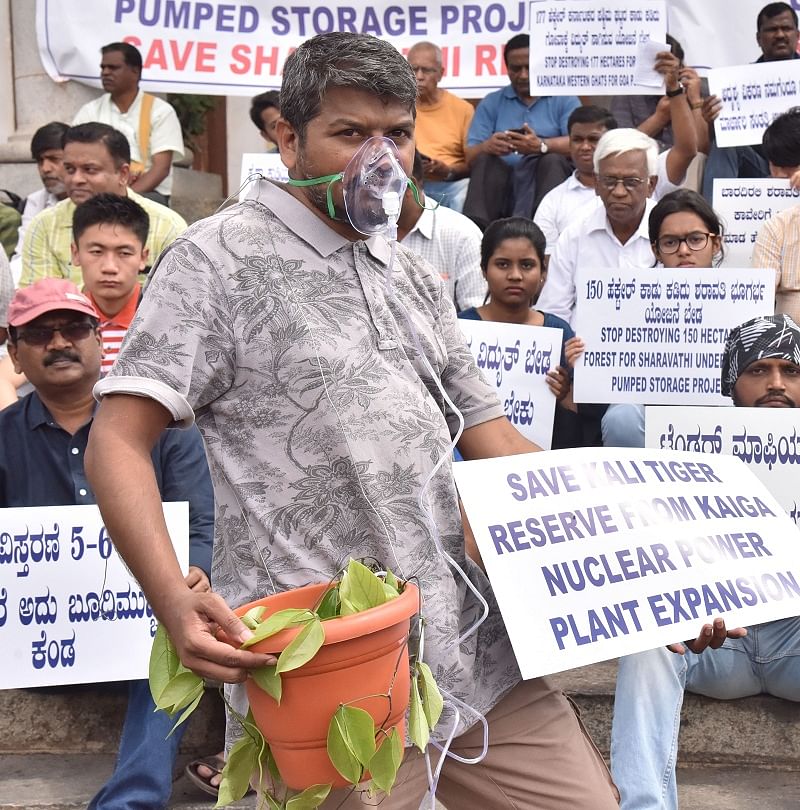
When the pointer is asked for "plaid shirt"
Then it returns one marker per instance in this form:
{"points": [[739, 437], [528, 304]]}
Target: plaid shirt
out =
{"points": [[46, 249], [778, 248]]}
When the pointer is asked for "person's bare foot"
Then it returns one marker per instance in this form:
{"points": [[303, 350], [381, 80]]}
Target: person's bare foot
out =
{"points": [[206, 772]]}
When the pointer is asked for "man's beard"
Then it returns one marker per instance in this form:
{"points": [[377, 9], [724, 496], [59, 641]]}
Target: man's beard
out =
{"points": [[318, 194]]}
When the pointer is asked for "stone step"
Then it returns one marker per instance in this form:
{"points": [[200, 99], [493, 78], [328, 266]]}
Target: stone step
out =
{"points": [[761, 732], [68, 781]]}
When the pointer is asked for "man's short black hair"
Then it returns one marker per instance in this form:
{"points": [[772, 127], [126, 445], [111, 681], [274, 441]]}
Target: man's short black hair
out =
{"points": [[590, 114], [781, 139], [48, 137], [110, 209], [130, 54], [261, 102], [676, 48], [516, 43], [773, 10], [95, 132]]}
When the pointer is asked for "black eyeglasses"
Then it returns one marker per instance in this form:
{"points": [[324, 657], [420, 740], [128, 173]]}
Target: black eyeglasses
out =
{"points": [[608, 181], [696, 240], [42, 335]]}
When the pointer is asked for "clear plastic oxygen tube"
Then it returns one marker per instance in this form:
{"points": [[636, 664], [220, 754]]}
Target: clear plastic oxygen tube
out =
{"points": [[391, 206]]}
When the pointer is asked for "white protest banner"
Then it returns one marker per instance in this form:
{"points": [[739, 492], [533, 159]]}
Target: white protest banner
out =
{"points": [[655, 336], [580, 47], [600, 552], [744, 206], [70, 612], [265, 164], [752, 96], [240, 48], [516, 358], [766, 439]]}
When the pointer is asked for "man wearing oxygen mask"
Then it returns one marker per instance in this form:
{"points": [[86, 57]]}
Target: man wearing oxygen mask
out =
{"points": [[309, 346]]}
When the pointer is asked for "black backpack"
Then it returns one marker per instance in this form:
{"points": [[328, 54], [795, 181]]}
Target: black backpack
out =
{"points": [[12, 200]]}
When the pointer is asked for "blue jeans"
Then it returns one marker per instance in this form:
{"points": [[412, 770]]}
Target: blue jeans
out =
{"points": [[142, 778], [450, 194], [649, 696], [622, 425]]}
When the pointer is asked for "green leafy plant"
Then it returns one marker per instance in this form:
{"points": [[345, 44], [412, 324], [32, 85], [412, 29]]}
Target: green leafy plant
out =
{"points": [[355, 745]]}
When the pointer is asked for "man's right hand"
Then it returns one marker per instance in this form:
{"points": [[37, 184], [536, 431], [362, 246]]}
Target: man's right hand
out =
{"points": [[711, 635], [499, 144], [193, 619]]}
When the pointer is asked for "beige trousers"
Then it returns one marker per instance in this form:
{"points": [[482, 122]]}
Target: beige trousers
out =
{"points": [[540, 758]]}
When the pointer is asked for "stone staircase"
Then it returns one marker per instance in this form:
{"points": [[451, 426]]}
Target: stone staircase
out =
{"points": [[57, 746]]}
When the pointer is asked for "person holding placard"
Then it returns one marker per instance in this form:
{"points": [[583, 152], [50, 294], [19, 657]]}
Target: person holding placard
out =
{"points": [[777, 36], [761, 369], [513, 263]]}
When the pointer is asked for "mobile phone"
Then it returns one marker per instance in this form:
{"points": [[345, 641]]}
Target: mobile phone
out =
{"points": [[520, 130], [423, 158]]}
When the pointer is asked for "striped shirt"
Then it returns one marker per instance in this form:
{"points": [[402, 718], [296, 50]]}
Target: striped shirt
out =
{"points": [[114, 327], [778, 248]]}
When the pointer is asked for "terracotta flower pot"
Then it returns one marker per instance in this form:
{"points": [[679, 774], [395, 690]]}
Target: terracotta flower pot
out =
{"points": [[363, 654]]}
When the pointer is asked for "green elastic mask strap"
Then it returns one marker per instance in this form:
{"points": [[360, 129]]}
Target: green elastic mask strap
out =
{"points": [[330, 179], [420, 203]]}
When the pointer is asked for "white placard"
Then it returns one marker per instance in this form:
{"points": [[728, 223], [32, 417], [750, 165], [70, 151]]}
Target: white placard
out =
{"points": [[515, 359], [744, 206], [582, 47], [70, 612], [655, 336], [601, 552], [752, 96], [766, 439], [268, 164]]}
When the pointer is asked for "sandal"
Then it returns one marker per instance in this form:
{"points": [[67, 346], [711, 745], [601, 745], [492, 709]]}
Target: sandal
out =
{"points": [[215, 764]]}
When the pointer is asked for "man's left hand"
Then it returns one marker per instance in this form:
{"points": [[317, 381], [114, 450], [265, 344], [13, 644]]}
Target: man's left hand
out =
{"points": [[436, 169], [197, 580], [711, 635], [525, 143]]}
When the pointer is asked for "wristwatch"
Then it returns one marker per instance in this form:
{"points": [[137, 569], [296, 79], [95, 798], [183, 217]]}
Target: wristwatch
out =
{"points": [[678, 91], [543, 147]]}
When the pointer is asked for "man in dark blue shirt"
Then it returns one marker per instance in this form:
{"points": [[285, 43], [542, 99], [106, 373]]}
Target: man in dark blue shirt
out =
{"points": [[55, 341]]}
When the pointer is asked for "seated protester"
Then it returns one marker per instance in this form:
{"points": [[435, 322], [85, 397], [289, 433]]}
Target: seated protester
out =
{"points": [[513, 262], [777, 36], [444, 238], [10, 221], [109, 234], [96, 160], [265, 110], [685, 231], [761, 369], [778, 243], [54, 339], [653, 114], [517, 144], [576, 197]]}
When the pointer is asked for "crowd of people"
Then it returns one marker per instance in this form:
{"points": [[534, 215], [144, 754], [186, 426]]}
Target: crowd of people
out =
{"points": [[305, 387]]}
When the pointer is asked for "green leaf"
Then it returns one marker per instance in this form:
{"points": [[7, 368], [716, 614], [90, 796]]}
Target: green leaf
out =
{"points": [[269, 680], [179, 692], [432, 702], [346, 607], [329, 606], [189, 709], [391, 580], [253, 616], [384, 765], [239, 767], [310, 798], [351, 741], [277, 622], [164, 663], [361, 588], [418, 729], [303, 647], [272, 803]]}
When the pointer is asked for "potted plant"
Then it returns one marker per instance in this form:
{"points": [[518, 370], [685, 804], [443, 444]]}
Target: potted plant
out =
{"points": [[332, 711]]}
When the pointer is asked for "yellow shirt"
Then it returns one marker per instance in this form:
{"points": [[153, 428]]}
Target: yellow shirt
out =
{"points": [[441, 129], [46, 247], [778, 248]]}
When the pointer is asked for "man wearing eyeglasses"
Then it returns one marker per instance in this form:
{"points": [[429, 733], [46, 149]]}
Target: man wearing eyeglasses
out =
{"points": [[442, 123], [614, 234], [54, 338]]}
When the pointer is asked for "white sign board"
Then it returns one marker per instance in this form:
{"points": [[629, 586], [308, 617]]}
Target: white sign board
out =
{"points": [[655, 336], [597, 553], [744, 206], [752, 96], [70, 612], [265, 164], [582, 47], [766, 439], [515, 359]]}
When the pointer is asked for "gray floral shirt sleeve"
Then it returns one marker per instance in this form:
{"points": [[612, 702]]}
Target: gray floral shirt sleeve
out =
{"points": [[321, 421]]}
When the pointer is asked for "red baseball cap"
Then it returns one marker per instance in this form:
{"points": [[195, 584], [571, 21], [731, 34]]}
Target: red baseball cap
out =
{"points": [[47, 295]]}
